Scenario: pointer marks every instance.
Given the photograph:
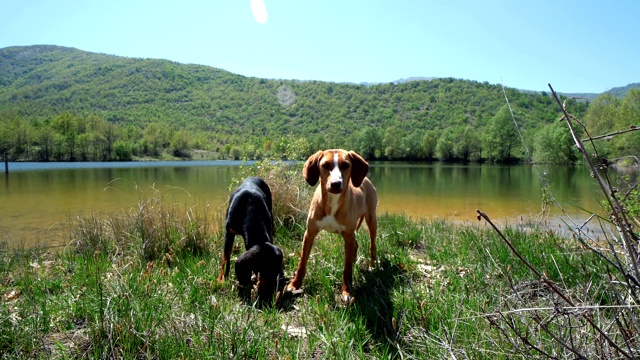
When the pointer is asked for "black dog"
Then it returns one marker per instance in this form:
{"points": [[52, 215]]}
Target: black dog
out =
{"points": [[250, 216]]}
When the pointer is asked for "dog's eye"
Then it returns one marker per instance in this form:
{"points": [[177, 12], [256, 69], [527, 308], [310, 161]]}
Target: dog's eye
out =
{"points": [[344, 166], [326, 166]]}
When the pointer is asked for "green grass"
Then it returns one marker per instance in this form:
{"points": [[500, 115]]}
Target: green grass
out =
{"points": [[143, 284]]}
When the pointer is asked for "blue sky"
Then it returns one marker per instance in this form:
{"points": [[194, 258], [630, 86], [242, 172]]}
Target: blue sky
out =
{"points": [[577, 46]]}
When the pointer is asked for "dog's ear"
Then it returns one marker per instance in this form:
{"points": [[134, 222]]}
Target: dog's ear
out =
{"points": [[359, 168], [311, 170]]}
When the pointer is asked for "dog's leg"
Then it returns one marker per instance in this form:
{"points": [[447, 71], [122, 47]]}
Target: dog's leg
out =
{"points": [[351, 253], [372, 224], [307, 243], [229, 237]]}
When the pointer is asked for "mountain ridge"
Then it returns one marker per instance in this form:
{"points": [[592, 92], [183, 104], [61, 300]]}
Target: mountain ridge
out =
{"points": [[619, 91]]}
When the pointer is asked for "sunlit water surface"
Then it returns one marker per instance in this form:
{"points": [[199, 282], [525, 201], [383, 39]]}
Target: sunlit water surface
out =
{"points": [[37, 200]]}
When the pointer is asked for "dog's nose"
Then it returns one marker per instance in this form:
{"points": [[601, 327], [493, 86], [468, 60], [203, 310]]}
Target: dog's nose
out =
{"points": [[336, 185]]}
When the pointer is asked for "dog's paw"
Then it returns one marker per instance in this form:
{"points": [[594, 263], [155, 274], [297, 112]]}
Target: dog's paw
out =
{"points": [[372, 264], [297, 292], [347, 299], [292, 290]]}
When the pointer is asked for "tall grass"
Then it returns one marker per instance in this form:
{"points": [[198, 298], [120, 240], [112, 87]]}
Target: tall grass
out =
{"points": [[291, 194], [159, 230], [142, 284]]}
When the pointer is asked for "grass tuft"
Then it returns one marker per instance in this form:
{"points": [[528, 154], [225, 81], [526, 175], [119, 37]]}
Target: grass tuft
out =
{"points": [[291, 194]]}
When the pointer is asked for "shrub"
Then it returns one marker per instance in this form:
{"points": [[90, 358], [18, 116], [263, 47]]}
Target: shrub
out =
{"points": [[291, 194]]}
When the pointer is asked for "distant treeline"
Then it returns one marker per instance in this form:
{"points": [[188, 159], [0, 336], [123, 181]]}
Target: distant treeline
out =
{"points": [[64, 104]]}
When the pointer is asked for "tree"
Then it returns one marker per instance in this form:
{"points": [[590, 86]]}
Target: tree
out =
{"points": [[21, 137], [369, 143], [553, 144], [44, 138], [412, 145], [154, 138], [297, 149], [629, 115], [392, 143], [466, 146], [267, 146], [122, 151], [601, 116], [444, 146], [180, 144], [600, 119], [66, 127], [5, 141], [501, 137], [111, 134], [84, 146], [235, 153], [429, 142], [96, 127]]}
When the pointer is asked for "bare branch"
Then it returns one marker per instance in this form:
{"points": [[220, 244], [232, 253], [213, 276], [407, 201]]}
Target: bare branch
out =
{"points": [[609, 136], [554, 288]]}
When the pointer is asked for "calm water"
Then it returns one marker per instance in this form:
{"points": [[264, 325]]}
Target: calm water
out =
{"points": [[37, 199]]}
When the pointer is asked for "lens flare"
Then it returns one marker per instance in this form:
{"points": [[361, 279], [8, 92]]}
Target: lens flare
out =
{"points": [[259, 11]]}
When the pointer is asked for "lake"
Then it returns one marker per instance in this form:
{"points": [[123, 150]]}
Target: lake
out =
{"points": [[38, 199]]}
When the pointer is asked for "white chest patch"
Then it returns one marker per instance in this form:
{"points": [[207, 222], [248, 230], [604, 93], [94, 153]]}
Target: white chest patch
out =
{"points": [[334, 200], [329, 223]]}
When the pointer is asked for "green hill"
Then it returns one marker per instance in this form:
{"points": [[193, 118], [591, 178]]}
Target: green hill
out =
{"points": [[622, 91], [618, 92], [217, 110]]}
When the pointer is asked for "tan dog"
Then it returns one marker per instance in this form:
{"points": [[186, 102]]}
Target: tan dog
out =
{"points": [[343, 199]]}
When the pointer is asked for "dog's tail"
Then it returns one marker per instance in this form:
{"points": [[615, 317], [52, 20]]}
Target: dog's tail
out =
{"points": [[360, 222]]}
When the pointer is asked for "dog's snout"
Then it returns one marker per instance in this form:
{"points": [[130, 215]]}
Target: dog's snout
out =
{"points": [[336, 185]]}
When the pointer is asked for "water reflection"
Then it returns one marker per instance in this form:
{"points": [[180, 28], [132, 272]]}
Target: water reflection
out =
{"points": [[454, 192], [36, 202]]}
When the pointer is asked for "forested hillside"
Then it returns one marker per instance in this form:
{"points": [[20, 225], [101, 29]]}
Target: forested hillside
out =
{"points": [[60, 103]]}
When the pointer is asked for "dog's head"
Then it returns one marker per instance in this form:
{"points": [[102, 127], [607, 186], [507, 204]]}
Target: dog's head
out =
{"points": [[265, 261], [335, 168]]}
